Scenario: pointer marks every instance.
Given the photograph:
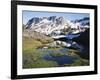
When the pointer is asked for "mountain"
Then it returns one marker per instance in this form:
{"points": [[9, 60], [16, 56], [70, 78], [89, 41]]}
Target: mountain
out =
{"points": [[48, 25], [56, 27], [83, 38], [32, 22], [84, 22], [36, 36]]}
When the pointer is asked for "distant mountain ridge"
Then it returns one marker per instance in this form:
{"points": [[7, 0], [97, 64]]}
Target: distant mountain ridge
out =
{"points": [[83, 22], [57, 26], [36, 20]]}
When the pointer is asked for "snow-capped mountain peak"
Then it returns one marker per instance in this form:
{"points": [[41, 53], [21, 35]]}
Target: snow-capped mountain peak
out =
{"points": [[54, 26]]}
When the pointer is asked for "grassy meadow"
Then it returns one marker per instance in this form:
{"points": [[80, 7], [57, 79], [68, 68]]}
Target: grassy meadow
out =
{"points": [[33, 56]]}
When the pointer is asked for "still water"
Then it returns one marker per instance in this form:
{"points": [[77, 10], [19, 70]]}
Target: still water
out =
{"points": [[66, 59], [61, 60]]}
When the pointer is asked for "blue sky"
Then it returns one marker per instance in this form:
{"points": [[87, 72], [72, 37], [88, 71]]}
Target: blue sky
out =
{"points": [[70, 16]]}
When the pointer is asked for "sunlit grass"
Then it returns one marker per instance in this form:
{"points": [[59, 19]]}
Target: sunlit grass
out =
{"points": [[33, 57], [29, 43], [79, 62]]}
